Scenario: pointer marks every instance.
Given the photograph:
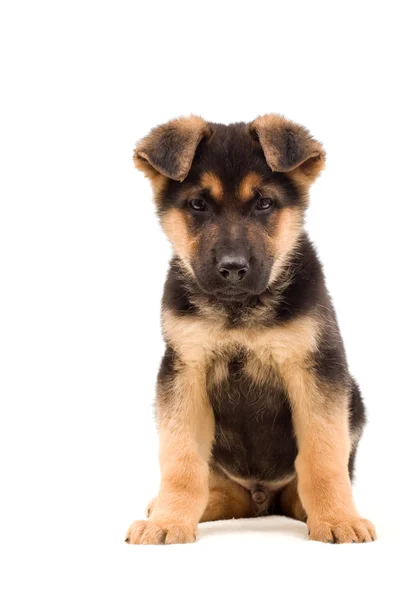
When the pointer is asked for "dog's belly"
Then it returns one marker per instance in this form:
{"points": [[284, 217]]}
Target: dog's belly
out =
{"points": [[254, 438]]}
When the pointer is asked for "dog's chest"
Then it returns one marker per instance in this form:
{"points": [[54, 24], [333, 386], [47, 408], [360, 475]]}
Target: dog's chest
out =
{"points": [[253, 425]]}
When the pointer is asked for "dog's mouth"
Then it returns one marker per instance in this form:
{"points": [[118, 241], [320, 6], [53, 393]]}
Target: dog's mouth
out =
{"points": [[237, 295], [234, 292]]}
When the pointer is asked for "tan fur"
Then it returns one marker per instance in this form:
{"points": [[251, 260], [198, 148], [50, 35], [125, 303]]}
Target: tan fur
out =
{"points": [[212, 183], [191, 124], [290, 502], [248, 185], [199, 340], [218, 373], [286, 235], [273, 486], [307, 173], [254, 182], [259, 372], [322, 462], [175, 226], [227, 499], [186, 432]]}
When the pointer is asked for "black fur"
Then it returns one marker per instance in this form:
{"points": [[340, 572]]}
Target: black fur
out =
{"points": [[254, 436]]}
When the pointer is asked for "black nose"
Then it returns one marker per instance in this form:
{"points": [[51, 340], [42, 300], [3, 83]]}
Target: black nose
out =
{"points": [[233, 268]]}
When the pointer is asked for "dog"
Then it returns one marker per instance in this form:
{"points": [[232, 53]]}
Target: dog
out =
{"points": [[257, 412]]}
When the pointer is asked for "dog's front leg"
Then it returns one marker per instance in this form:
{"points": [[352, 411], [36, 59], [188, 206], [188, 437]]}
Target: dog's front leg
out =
{"points": [[186, 431], [321, 423]]}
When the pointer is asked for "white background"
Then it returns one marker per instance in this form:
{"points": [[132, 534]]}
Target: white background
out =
{"points": [[83, 263]]}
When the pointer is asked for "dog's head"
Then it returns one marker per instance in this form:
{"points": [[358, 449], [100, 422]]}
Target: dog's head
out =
{"points": [[231, 198]]}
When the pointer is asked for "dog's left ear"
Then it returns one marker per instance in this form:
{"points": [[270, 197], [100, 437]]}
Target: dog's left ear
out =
{"points": [[289, 148], [169, 149]]}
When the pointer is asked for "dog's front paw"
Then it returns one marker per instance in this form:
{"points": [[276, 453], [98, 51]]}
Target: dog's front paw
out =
{"points": [[343, 532], [149, 532]]}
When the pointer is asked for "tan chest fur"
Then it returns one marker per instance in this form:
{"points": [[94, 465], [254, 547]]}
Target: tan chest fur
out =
{"points": [[201, 341]]}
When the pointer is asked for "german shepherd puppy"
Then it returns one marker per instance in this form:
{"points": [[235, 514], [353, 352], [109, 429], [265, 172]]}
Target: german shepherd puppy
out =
{"points": [[256, 410]]}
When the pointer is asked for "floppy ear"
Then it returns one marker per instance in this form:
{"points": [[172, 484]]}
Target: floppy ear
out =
{"points": [[288, 147], [169, 149]]}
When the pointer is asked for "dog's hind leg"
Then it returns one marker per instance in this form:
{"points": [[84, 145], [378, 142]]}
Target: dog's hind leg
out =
{"points": [[227, 499], [289, 503]]}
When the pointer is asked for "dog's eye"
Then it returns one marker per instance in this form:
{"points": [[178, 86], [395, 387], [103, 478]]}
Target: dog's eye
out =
{"points": [[198, 204], [264, 204]]}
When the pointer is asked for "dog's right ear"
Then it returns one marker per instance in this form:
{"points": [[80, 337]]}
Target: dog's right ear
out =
{"points": [[289, 148], [169, 149]]}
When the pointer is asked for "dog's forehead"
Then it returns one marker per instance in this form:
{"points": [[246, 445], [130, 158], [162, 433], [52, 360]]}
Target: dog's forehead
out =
{"points": [[228, 157]]}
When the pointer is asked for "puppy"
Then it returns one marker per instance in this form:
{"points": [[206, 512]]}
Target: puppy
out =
{"points": [[256, 410]]}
